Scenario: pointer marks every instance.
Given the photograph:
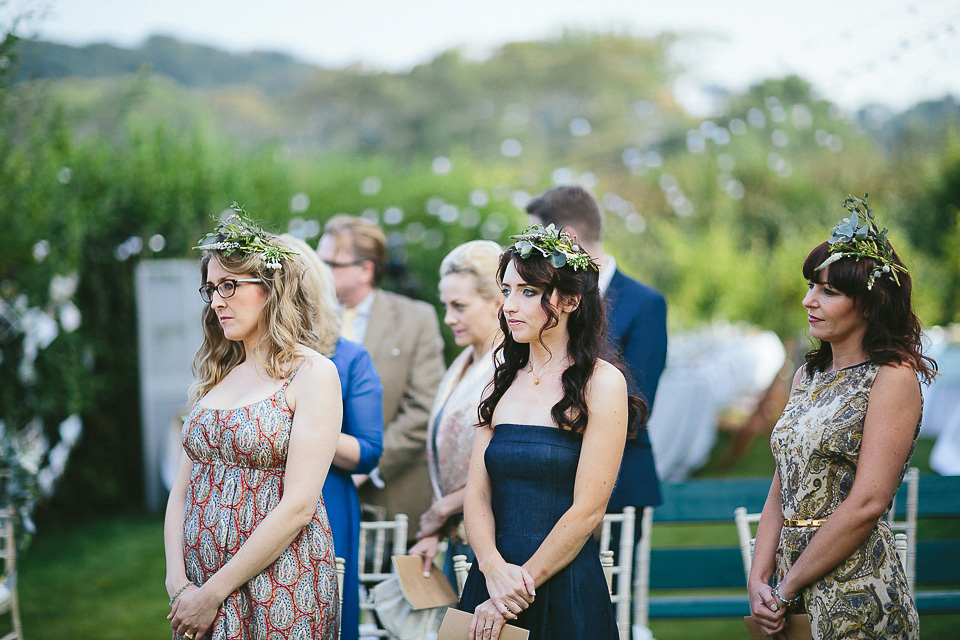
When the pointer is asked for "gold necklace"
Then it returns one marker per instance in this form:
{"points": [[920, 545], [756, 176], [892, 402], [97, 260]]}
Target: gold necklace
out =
{"points": [[536, 378]]}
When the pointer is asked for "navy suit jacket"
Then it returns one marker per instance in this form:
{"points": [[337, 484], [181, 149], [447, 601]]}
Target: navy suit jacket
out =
{"points": [[637, 318]]}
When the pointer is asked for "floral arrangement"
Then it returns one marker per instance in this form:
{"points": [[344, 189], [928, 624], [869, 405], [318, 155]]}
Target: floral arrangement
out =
{"points": [[29, 467], [557, 246], [238, 233], [851, 239]]}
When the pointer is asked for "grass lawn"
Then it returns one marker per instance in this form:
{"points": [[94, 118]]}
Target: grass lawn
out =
{"points": [[104, 580]]}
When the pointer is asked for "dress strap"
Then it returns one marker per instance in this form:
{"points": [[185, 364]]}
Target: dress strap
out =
{"points": [[289, 379]]}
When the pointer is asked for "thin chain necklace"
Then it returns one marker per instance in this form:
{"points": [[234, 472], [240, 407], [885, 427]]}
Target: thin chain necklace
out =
{"points": [[536, 378]]}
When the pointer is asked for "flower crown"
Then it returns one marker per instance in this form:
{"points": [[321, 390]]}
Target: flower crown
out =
{"points": [[238, 233], [850, 239], [557, 246]]}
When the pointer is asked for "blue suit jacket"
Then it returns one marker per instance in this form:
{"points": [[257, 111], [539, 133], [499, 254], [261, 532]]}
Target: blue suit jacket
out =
{"points": [[637, 317]]}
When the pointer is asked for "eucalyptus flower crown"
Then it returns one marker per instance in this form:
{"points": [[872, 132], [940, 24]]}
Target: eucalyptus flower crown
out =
{"points": [[237, 233], [851, 239], [557, 246]]}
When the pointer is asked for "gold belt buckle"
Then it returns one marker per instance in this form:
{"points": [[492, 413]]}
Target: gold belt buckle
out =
{"points": [[803, 522]]}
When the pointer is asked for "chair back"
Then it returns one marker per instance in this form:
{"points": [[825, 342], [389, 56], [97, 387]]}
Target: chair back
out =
{"points": [[746, 527], [606, 561], [641, 576], [341, 568], [460, 569], [908, 526], [379, 541], [8, 579], [622, 568]]}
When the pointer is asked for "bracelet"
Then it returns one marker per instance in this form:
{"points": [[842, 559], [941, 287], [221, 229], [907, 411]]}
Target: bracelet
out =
{"points": [[776, 594], [184, 588]]}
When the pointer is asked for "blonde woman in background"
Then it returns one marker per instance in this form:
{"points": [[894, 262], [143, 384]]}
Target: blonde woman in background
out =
{"points": [[471, 298], [361, 437]]}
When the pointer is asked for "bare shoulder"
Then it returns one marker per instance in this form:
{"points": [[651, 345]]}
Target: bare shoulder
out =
{"points": [[313, 366], [900, 376], [802, 371], [606, 378]]}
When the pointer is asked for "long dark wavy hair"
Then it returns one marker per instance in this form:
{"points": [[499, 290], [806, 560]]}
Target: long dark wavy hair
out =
{"points": [[587, 330], [893, 330]]}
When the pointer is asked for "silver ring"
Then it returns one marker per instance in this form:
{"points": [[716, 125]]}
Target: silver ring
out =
{"points": [[488, 628], [774, 607]]}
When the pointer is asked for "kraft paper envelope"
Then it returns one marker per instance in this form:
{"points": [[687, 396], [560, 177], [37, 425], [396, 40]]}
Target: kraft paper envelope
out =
{"points": [[797, 628], [456, 626], [420, 592]]}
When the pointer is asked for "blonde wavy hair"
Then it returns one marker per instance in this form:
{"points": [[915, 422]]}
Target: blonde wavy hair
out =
{"points": [[481, 258], [286, 321], [318, 276]]}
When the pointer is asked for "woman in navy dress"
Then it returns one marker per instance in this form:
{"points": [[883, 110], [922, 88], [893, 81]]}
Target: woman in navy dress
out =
{"points": [[361, 437], [546, 454]]}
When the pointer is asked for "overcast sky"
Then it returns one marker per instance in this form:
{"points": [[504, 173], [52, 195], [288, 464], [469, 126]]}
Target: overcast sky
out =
{"points": [[854, 51]]}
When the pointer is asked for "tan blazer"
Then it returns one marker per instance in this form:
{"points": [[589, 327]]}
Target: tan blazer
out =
{"points": [[403, 338]]}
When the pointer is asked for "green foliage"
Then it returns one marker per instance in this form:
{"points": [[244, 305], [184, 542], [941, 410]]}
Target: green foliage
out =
{"points": [[525, 92], [718, 214], [191, 65], [932, 218]]}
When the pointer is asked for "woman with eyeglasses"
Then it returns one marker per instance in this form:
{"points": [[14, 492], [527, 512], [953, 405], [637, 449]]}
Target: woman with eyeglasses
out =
{"points": [[248, 546]]}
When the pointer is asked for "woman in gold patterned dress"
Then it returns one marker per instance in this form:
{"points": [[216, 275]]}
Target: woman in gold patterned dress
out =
{"points": [[842, 447], [248, 546]]}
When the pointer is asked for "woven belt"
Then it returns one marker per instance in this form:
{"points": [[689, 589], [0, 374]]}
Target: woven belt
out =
{"points": [[806, 522]]}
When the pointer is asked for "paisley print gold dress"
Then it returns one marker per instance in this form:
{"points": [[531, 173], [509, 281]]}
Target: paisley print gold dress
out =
{"points": [[239, 457], [816, 444]]}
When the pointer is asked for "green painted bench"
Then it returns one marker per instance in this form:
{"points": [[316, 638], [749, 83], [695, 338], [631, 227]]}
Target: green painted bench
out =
{"points": [[700, 570]]}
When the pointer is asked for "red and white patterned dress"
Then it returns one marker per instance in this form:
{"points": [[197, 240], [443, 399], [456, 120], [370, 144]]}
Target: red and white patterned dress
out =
{"points": [[239, 457]]}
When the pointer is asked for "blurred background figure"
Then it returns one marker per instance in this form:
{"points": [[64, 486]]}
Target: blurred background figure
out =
{"points": [[361, 435], [403, 338], [245, 517], [471, 298]]}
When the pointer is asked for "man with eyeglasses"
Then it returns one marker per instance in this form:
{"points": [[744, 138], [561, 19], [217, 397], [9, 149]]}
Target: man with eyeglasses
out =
{"points": [[403, 338]]}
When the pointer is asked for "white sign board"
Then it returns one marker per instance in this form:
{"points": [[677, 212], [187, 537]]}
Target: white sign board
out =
{"points": [[168, 334]]}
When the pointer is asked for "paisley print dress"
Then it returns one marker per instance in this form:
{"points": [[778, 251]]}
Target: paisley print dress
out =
{"points": [[239, 458], [816, 444]]}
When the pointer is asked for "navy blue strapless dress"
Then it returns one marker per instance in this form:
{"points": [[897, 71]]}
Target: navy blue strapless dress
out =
{"points": [[532, 471]]}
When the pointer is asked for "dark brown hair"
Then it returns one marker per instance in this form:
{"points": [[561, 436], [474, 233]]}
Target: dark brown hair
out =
{"points": [[893, 330], [587, 329]]}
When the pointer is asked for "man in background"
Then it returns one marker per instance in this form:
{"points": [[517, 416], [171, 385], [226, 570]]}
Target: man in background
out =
{"points": [[403, 338], [637, 318]]}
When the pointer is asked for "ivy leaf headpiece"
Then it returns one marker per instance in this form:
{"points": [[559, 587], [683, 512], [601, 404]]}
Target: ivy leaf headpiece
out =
{"points": [[859, 236], [237, 233], [557, 246]]}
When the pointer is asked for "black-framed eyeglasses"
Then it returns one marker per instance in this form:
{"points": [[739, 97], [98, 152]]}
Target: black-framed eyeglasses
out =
{"points": [[226, 288], [343, 265]]}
